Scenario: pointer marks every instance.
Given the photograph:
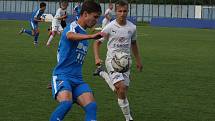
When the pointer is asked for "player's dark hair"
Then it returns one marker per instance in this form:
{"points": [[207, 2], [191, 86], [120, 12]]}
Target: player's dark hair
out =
{"points": [[90, 7], [121, 3], [42, 4]]}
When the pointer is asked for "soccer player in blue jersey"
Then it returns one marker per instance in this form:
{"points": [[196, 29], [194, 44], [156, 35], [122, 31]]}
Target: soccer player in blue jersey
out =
{"points": [[77, 11], [35, 19], [68, 86]]}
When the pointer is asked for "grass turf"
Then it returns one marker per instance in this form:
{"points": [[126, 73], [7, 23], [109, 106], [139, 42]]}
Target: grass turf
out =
{"points": [[177, 82]]}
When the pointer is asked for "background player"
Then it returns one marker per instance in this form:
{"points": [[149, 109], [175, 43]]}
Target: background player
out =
{"points": [[56, 22], [121, 35], [35, 19], [107, 16], [77, 11], [67, 83]]}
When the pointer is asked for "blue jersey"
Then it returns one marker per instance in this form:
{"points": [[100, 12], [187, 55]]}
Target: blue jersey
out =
{"points": [[37, 13], [71, 54]]}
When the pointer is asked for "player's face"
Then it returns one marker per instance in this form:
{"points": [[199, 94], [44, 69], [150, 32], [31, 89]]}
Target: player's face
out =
{"points": [[92, 19], [64, 6], [111, 6], [43, 8], [121, 12]]}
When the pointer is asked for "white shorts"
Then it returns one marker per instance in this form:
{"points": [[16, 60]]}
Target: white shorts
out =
{"points": [[116, 76], [105, 22], [56, 26]]}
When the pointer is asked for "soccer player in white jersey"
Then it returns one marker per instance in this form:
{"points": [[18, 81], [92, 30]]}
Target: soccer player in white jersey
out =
{"points": [[107, 16], [56, 22], [121, 35]]}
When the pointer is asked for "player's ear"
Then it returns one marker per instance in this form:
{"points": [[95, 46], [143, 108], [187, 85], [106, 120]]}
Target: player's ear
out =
{"points": [[85, 13]]}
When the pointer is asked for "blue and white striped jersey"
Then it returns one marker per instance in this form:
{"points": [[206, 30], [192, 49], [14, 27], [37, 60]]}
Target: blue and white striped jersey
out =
{"points": [[37, 13]]}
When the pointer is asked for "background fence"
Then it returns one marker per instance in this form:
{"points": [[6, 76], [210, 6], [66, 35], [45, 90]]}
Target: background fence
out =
{"points": [[142, 11]]}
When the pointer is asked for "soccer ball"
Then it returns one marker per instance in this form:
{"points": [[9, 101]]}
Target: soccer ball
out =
{"points": [[47, 17], [121, 62]]}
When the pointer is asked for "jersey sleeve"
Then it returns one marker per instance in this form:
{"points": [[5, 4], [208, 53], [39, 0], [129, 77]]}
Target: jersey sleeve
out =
{"points": [[106, 30], [134, 36], [72, 29]]}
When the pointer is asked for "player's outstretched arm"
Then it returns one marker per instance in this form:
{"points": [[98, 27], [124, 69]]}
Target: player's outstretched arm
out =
{"points": [[39, 20], [62, 17], [96, 47], [78, 37], [137, 56]]}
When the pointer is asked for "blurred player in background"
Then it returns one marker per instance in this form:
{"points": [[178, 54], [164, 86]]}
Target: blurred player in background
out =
{"points": [[107, 15], [56, 22], [35, 19], [68, 86], [77, 11], [107, 18], [121, 35]]}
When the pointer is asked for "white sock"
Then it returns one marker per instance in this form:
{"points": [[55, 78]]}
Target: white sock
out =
{"points": [[124, 105], [106, 77], [50, 39]]}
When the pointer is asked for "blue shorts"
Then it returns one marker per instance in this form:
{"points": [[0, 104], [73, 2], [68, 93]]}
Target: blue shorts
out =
{"points": [[76, 86], [34, 26]]}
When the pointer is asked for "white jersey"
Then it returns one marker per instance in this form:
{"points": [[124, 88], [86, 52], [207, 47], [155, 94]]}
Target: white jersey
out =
{"points": [[59, 13], [119, 37]]}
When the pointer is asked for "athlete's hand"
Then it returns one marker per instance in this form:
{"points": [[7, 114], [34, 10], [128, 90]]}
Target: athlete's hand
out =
{"points": [[98, 35], [139, 66], [64, 17], [98, 61], [42, 20]]}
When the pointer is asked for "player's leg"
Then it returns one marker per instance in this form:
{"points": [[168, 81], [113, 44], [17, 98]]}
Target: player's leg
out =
{"points": [[60, 29], [49, 31], [121, 83], [50, 38], [53, 33], [36, 35], [63, 94], [86, 100], [102, 73], [29, 32]]}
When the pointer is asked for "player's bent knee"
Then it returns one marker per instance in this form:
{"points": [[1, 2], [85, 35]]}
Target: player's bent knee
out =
{"points": [[121, 91], [120, 87], [64, 95]]}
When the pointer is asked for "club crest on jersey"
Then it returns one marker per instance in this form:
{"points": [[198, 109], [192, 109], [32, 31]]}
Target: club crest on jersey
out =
{"points": [[129, 32], [81, 46]]}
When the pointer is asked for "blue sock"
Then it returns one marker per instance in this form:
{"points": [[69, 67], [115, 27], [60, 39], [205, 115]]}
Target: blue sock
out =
{"points": [[36, 37], [90, 111], [62, 109], [29, 32]]}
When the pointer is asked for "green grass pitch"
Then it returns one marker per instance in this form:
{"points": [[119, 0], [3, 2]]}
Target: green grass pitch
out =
{"points": [[177, 82]]}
